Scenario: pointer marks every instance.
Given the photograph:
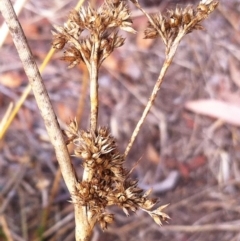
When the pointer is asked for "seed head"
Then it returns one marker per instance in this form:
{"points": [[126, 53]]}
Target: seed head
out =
{"points": [[179, 22], [59, 40], [73, 56], [102, 27], [110, 183]]}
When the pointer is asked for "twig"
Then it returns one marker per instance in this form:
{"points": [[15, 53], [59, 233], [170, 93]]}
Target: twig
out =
{"points": [[68, 218], [9, 193], [53, 192], [24, 223]]}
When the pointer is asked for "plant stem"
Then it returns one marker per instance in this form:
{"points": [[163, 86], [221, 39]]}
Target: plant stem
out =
{"points": [[157, 86], [83, 228], [84, 225], [84, 219], [94, 86]]}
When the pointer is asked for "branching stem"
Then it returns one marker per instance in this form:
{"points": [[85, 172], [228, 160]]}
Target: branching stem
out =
{"points": [[157, 86]]}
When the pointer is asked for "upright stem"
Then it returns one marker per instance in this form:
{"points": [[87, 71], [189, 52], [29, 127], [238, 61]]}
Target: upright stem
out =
{"points": [[94, 86], [84, 224], [166, 64], [84, 218]]}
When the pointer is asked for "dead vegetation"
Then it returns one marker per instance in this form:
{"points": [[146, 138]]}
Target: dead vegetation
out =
{"points": [[191, 161]]}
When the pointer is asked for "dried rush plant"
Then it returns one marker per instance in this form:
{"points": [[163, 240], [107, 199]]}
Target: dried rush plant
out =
{"points": [[105, 181]]}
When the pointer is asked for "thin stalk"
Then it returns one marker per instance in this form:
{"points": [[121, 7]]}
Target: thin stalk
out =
{"points": [[84, 223], [84, 219], [94, 86], [157, 86]]}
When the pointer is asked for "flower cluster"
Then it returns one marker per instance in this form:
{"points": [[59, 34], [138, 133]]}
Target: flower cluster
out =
{"points": [[106, 181], [179, 22], [89, 30]]}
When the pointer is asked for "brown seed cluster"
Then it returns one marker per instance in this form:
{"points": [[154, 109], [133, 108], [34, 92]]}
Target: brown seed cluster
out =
{"points": [[90, 30], [107, 182], [179, 22]]}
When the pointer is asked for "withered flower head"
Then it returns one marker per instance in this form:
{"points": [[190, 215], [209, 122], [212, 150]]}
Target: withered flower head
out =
{"points": [[102, 31], [176, 23], [72, 132], [73, 56], [108, 44], [59, 40], [105, 219], [107, 182]]}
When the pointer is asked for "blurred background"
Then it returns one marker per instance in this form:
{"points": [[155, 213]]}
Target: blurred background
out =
{"points": [[188, 149]]}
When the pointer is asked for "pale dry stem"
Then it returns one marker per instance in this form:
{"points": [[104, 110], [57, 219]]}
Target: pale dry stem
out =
{"points": [[84, 223], [45, 107], [171, 29], [157, 86], [94, 86]]}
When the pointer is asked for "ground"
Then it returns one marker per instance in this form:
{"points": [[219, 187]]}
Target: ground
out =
{"points": [[187, 152]]}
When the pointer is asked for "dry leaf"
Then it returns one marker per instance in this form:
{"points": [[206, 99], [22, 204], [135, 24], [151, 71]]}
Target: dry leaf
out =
{"points": [[11, 80], [217, 109]]}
